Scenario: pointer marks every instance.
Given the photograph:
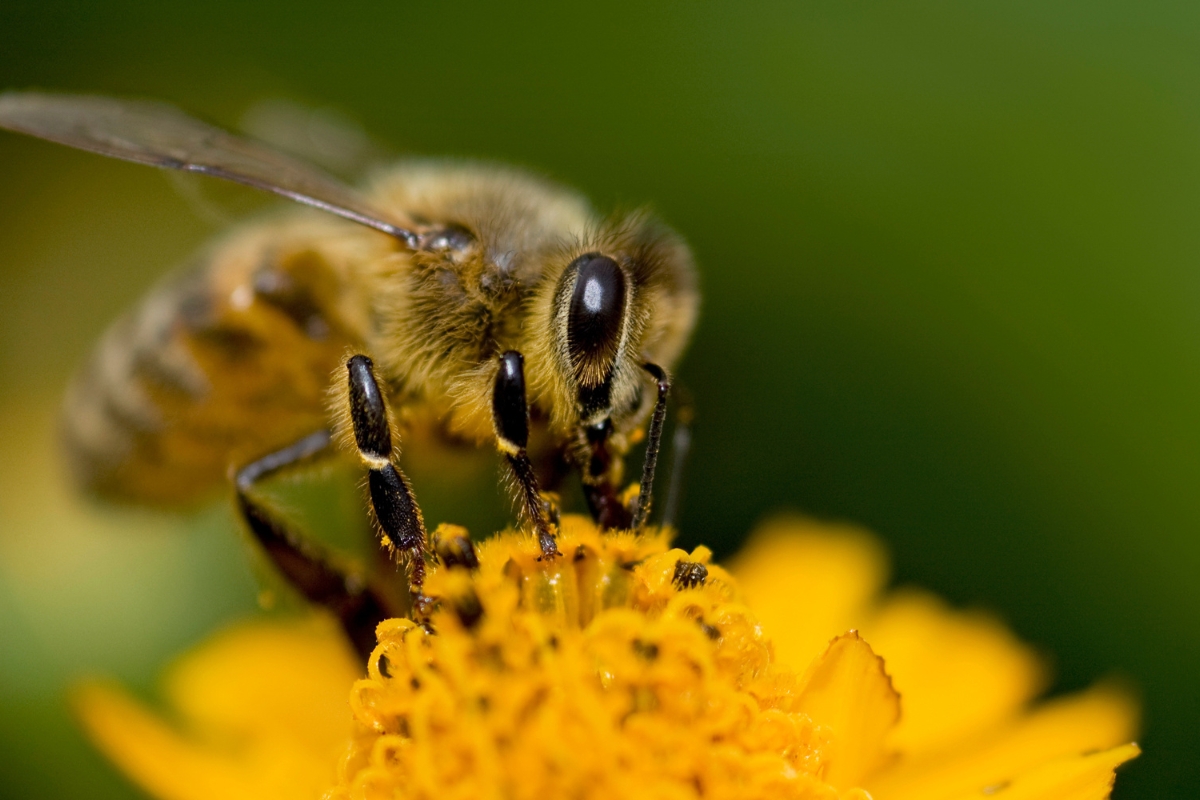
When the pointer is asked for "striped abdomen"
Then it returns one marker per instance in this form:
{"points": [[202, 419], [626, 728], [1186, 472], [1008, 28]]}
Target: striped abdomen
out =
{"points": [[222, 363]]}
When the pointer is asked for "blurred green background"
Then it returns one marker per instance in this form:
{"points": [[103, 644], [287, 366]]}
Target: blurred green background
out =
{"points": [[951, 263]]}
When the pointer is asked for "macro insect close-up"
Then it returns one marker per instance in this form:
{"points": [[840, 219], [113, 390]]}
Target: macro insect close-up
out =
{"points": [[420, 402], [466, 297]]}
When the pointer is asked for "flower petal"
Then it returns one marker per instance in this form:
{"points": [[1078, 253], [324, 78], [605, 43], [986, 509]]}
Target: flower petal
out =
{"points": [[269, 678], [156, 757], [807, 582], [847, 691], [958, 672], [264, 715], [1088, 777], [1094, 720]]}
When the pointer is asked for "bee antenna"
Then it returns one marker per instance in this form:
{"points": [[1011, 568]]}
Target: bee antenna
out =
{"points": [[411, 240]]}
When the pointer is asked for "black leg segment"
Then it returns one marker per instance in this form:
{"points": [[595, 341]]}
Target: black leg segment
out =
{"points": [[509, 407], [392, 498], [608, 510], [510, 414], [307, 449], [653, 444], [352, 600], [368, 414], [395, 508]]}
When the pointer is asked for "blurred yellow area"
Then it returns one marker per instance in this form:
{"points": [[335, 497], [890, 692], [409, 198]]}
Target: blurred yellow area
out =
{"points": [[91, 590]]}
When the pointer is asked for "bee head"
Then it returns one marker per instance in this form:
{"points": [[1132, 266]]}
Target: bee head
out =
{"points": [[595, 297], [626, 296]]}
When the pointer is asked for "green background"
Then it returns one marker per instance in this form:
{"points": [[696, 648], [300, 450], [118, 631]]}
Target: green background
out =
{"points": [[951, 262]]}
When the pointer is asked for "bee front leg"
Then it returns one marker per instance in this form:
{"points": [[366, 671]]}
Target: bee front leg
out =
{"points": [[510, 413], [607, 507], [642, 505], [396, 508], [603, 499], [357, 605]]}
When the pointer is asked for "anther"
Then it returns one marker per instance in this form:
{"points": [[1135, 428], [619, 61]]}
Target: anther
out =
{"points": [[468, 609], [689, 574], [646, 650], [455, 551]]}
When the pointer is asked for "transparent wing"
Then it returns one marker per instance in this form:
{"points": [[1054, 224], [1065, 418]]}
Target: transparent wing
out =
{"points": [[163, 136]]}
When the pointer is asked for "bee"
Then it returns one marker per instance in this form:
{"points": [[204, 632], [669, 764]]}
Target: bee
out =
{"points": [[477, 301]]}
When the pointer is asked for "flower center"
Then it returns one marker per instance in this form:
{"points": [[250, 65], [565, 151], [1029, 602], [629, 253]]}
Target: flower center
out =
{"points": [[622, 669]]}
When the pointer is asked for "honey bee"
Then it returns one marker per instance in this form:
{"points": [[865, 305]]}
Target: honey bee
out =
{"points": [[475, 300]]}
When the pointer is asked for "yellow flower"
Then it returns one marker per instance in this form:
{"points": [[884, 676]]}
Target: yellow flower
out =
{"points": [[627, 669]]}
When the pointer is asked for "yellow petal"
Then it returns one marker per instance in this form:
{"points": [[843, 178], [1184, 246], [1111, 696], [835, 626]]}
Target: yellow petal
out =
{"points": [[1088, 777], [1094, 720], [847, 691], [156, 757], [959, 673], [278, 678], [808, 582], [264, 714]]}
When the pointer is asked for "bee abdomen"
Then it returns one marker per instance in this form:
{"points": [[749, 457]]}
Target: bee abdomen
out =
{"points": [[209, 372], [113, 407]]}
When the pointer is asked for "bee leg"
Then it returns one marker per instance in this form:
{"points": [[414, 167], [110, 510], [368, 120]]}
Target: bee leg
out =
{"points": [[357, 606], [510, 412], [681, 445], [396, 508], [603, 500], [641, 510]]}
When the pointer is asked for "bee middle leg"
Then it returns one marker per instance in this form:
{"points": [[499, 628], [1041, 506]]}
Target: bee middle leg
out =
{"points": [[356, 604]]}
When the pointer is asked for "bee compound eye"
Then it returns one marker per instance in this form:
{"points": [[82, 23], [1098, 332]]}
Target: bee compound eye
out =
{"points": [[597, 309]]}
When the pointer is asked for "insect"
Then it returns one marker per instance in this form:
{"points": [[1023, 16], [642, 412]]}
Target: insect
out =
{"points": [[477, 300]]}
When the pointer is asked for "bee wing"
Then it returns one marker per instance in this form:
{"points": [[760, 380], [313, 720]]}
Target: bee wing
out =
{"points": [[163, 136]]}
